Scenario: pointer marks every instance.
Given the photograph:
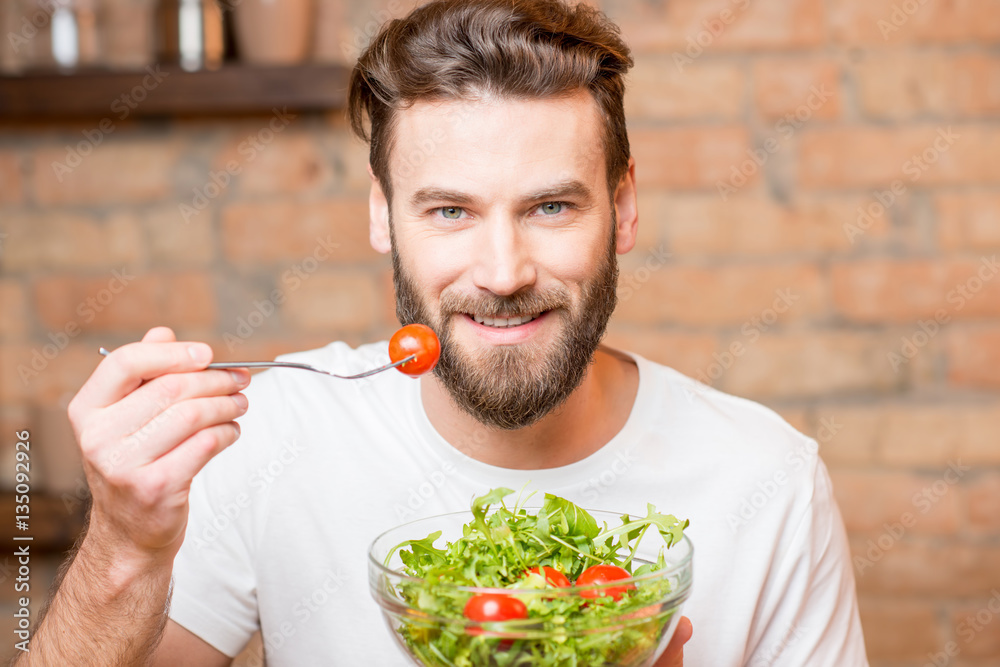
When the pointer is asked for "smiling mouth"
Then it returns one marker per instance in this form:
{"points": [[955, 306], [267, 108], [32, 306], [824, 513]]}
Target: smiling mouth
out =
{"points": [[504, 322]]}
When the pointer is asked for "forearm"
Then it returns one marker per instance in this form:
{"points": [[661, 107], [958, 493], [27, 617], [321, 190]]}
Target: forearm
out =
{"points": [[108, 610]]}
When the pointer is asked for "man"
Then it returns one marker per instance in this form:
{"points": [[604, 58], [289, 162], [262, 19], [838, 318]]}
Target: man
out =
{"points": [[503, 187]]}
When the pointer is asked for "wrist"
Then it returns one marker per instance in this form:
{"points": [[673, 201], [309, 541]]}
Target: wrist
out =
{"points": [[122, 567]]}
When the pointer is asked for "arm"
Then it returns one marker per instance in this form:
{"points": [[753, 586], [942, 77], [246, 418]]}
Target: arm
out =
{"points": [[147, 420]]}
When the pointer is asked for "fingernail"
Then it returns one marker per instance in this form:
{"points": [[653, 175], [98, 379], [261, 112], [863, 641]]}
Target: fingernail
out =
{"points": [[241, 401], [200, 353], [241, 379]]}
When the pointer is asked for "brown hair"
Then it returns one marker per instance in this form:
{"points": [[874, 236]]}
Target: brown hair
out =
{"points": [[517, 49]]}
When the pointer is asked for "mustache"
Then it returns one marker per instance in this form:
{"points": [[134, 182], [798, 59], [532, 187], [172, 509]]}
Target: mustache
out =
{"points": [[519, 303]]}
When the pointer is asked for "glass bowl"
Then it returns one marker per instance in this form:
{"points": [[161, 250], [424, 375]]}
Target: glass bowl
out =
{"points": [[634, 636]]}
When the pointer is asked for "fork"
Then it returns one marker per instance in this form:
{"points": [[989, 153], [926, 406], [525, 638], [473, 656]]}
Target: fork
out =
{"points": [[291, 364]]}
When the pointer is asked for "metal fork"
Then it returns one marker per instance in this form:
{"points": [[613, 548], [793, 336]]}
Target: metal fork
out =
{"points": [[291, 364]]}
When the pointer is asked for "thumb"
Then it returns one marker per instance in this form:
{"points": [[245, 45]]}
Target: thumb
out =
{"points": [[674, 655]]}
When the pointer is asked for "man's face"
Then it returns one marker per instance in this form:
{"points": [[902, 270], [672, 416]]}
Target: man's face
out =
{"points": [[503, 238]]}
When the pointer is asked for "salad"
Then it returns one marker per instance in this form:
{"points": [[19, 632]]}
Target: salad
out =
{"points": [[538, 559]]}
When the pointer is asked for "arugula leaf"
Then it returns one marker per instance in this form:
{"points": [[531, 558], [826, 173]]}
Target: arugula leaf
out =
{"points": [[572, 519]]}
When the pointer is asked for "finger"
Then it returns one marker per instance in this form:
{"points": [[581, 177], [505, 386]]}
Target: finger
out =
{"points": [[189, 457], [172, 427], [127, 367], [159, 335], [673, 656], [151, 399]]}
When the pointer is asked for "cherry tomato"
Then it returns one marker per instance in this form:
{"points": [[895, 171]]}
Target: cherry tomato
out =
{"points": [[595, 575], [553, 576], [491, 607], [417, 339]]}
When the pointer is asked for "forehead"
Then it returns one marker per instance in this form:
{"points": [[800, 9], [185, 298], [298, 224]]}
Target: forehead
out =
{"points": [[498, 147]]}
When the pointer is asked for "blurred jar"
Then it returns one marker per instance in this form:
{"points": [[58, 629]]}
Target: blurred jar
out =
{"points": [[127, 33], [190, 34], [55, 34], [269, 32]]}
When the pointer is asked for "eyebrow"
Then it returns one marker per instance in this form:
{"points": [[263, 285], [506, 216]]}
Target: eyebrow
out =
{"points": [[564, 189]]}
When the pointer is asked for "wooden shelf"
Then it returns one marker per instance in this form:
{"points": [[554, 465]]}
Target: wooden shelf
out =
{"points": [[231, 89]]}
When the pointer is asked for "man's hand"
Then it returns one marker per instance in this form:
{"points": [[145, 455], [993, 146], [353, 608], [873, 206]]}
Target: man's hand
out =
{"points": [[674, 655], [147, 420]]}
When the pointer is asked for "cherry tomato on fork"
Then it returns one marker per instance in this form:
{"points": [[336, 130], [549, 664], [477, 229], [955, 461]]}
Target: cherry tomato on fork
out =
{"points": [[419, 340]]}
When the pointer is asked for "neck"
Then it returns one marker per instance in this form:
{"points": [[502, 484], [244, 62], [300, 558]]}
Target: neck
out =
{"points": [[585, 422]]}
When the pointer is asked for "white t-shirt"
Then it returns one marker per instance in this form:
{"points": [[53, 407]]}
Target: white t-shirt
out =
{"points": [[281, 521]]}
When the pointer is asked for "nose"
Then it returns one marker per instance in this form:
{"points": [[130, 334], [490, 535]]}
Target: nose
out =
{"points": [[503, 258]]}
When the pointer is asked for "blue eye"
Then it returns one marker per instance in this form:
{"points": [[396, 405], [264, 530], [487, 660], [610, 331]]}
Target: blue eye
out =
{"points": [[552, 207], [451, 212]]}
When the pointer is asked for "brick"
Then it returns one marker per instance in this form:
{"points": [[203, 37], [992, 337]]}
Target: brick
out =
{"points": [[689, 158], [979, 446], [57, 240], [869, 500], [754, 298], [13, 309], [900, 85], [924, 567], [11, 182], [119, 171], [968, 220], [981, 498], [899, 629], [974, 357], [173, 241], [800, 89], [977, 626], [687, 353], [807, 364], [690, 28], [884, 22], [659, 90], [851, 436], [289, 164], [332, 302], [868, 157], [133, 302], [39, 372], [284, 231], [920, 435], [908, 291], [705, 225]]}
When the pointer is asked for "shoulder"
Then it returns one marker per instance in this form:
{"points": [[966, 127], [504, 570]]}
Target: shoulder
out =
{"points": [[739, 429]]}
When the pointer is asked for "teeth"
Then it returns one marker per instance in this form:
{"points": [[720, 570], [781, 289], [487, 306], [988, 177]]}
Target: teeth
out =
{"points": [[504, 322]]}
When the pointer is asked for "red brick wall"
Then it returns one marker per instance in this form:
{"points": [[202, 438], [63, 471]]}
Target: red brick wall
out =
{"points": [[820, 209]]}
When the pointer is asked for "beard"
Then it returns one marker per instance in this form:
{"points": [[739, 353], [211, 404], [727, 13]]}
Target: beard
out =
{"points": [[511, 387]]}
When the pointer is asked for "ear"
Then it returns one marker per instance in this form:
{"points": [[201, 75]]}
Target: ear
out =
{"points": [[378, 216], [627, 210]]}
